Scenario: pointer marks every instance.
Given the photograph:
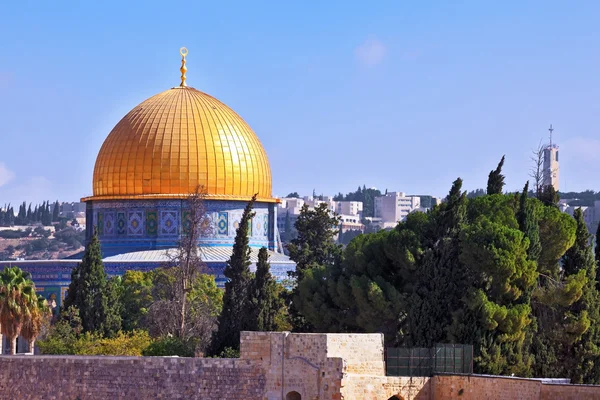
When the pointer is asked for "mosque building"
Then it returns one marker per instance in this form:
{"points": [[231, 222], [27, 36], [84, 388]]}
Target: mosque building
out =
{"points": [[153, 159]]}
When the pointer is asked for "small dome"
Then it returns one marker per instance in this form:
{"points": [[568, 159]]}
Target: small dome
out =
{"points": [[179, 139]]}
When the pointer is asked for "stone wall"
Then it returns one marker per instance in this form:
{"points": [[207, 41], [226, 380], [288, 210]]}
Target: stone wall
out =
{"points": [[271, 366], [79, 377], [474, 387], [466, 387]]}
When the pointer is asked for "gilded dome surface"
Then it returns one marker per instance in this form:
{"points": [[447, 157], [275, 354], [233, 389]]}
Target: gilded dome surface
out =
{"points": [[179, 139]]}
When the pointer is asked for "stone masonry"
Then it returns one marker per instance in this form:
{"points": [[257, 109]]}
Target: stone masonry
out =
{"points": [[275, 365]]}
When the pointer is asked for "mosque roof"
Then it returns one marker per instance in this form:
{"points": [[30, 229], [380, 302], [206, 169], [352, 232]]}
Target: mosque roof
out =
{"points": [[209, 254], [178, 140]]}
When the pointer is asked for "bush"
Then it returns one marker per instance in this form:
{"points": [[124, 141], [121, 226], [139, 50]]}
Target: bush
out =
{"points": [[123, 344], [12, 234], [229, 352], [62, 340], [169, 346]]}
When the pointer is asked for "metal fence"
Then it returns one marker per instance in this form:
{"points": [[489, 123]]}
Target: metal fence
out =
{"points": [[420, 361]]}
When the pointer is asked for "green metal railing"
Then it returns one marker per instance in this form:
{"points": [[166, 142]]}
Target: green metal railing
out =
{"points": [[420, 361]]}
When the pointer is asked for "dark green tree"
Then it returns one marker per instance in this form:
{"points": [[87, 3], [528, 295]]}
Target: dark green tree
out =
{"points": [[496, 179], [136, 298], [265, 302], [315, 242], [55, 212], [92, 294], [293, 194], [528, 224], [549, 196], [234, 318], [441, 277], [314, 247]]}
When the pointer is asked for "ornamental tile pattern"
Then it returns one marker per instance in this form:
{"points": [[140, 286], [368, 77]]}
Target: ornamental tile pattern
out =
{"points": [[222, 224], [151, 223], [109, 223], [121, 223], [135, 223], [168, 222]]}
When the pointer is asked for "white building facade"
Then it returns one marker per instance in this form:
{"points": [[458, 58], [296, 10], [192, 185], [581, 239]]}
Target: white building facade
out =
{"points": [[393, 207]]}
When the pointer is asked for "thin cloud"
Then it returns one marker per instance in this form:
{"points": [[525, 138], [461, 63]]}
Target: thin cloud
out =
{"points": [[6, 175], [371, 52]]}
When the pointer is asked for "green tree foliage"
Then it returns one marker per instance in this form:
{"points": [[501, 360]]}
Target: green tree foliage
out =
{"points": [[62, 340], [293, 195], [315, 244], [314, 248], [441, 280], [136, 298], [162, 319], [364, 195], [496, 179], [510, 274], [55, 211], [528, 224], [265, 302], [549, 196], [18, 304], [234, 318], [94, 296]]}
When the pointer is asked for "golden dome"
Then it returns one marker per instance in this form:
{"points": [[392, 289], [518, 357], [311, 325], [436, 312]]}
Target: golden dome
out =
{"points": [[179, 139]]}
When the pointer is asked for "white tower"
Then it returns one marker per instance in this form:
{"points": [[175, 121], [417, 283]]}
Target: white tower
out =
{"points": [[551, 167]]}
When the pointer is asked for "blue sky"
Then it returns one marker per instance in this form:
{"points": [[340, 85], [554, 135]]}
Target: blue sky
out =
{"points": [[399, 95]]}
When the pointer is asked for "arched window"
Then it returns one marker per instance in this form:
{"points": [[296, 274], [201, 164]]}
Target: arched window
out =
{"points": [[293, 396]]}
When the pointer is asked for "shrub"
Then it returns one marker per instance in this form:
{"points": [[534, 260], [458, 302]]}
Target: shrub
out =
{"points": [[123, 344], [169, 346], [62, 340]]}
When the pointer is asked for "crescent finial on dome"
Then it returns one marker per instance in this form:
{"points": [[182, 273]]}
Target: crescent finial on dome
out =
{"points": [[183, 51]]}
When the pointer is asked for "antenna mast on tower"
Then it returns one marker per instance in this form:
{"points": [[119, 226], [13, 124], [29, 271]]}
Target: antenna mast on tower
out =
{"points": [[551, 130]]}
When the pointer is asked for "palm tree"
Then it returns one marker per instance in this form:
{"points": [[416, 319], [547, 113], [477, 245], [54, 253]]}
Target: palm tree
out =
{"points": [[17, 293], [39, 313]]}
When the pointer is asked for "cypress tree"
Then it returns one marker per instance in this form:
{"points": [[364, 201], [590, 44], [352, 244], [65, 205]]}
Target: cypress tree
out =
{"points": [[549, 196], [441, 282], [92, 294], [528, 224], [234, 317], [496, 179], [263, 295], [55, 212]]}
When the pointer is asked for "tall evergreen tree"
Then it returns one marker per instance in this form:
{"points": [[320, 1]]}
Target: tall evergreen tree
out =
{"points": [[314, 247], [496, 179], [441, 280], [55, 212], [264, 301], [46, 216], [315, 242], [234, 317], [549, 196], [528, 224], [91, 292]]}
